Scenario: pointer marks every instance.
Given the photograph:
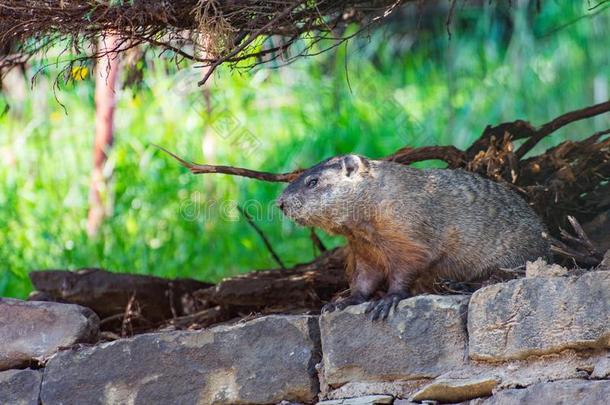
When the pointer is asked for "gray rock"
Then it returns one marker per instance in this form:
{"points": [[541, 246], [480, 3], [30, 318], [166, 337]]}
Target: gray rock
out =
{"points": [[20, 387], [540, 268], [566, 392], [404, 402], [602, 368], [367, 400], [30, 331], [263, 361], [605, 264], [538, 316], [456, 390], [425, 337]]}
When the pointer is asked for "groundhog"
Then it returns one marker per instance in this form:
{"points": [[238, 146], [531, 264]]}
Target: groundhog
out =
{"points": [[405, 224]]}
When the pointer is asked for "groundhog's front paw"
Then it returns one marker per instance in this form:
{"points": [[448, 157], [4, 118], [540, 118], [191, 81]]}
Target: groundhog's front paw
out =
{"points": [[342, 303], [380, 309]]}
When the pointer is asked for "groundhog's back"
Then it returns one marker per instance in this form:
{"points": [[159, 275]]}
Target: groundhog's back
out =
{"points": [[470, 224]]}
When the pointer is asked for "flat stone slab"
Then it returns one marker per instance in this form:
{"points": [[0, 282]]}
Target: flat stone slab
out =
{"points": [[423, 338], [20, 387], [263, 361], [30, 331], [366, 400], [556, 392], [456, 390], [538, 316], [397, 389]]}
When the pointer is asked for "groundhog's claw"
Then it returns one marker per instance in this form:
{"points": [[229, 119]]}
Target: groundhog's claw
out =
{"points": [[380, 309], [342, 304], [330, 307]]}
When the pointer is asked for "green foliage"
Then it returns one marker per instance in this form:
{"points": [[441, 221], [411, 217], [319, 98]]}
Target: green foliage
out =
{"points": [[371, 97]]}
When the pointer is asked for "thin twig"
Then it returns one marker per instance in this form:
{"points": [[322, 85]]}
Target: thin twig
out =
{"points": [[201, 319], [170, 299], [450, 17], [317, 243], [582, 250], [234, 171], [260, 233], [126, 324]]}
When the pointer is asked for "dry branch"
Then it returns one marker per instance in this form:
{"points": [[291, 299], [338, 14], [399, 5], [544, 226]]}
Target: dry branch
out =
{"points": [[449, 154], [520, 129], [559, 122], [305, 286], [235, 171], [130, 304], [578, 247]]}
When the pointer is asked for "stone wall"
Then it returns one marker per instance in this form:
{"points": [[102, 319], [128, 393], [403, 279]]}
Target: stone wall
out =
{"points": [[542, 339]]}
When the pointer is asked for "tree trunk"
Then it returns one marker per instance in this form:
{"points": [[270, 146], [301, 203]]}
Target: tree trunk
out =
{"points": [[105, 99]]}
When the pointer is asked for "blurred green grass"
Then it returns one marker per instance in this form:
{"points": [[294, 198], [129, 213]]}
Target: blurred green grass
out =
{"points": [[372, 97]]}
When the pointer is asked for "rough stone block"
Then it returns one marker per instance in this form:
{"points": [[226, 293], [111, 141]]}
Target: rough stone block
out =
{"points": [[31, 331], [556, 392], [20, 387], [538, 316], [423, 338], [263, 361]]}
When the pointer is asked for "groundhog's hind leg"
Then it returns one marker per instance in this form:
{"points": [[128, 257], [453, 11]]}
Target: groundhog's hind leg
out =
{"points": [[364, 281], [399, 282]]}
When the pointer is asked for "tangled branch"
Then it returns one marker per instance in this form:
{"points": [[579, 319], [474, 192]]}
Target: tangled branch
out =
{"points": [[211, 32]]}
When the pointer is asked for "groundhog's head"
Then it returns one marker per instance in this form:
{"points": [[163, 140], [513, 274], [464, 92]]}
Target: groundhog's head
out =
{"points": [[327, 194]]}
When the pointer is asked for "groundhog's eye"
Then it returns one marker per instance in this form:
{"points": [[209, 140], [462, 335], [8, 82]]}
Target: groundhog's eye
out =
{"points": [[311, 183]]}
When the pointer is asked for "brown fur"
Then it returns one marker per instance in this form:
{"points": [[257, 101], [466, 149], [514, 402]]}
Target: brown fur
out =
{"points": [[385, 252]]}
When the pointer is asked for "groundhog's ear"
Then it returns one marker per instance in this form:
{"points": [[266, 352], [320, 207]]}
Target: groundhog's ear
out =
{"points": [[355, 164]]}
